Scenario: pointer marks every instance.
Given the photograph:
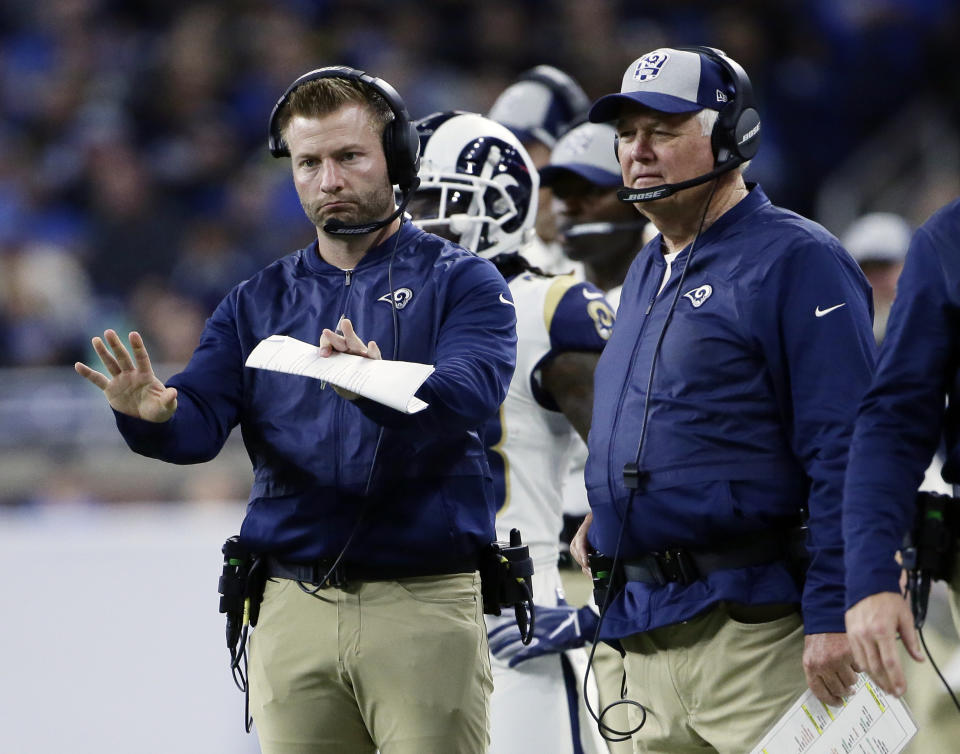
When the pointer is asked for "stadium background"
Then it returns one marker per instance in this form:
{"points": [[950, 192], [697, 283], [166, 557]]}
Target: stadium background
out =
{"points": [[136, 190]]}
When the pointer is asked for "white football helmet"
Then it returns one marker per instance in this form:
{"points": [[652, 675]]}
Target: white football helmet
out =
{"points": [[478, 185]]}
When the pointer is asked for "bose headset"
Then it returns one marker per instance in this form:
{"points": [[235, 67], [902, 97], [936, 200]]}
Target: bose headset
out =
{"points": [[735, 137], [401, 143]]}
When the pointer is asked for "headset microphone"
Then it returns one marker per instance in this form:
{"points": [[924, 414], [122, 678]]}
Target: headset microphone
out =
{"points": [[339, 228], [659, 192]]}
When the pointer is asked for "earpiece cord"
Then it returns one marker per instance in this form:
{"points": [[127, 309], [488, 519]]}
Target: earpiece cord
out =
{"points": [[528, 609], [376, 450], [241, 675], [601, 726], [937, 670], [666, 323], [393, 299], [915, 581]]}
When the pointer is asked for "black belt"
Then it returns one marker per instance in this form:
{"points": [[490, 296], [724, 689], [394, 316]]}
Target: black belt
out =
{"points": [[684, 566], [343, 573]]}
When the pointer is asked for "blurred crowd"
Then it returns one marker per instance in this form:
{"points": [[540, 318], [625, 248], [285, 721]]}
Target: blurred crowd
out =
{"points": [[135, 184]]}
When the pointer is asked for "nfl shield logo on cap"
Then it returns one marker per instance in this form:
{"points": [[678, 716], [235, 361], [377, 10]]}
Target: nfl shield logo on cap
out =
{"points": [[649, 66]]}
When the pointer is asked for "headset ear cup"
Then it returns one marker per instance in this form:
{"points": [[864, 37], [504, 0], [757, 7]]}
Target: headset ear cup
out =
{"points": [[410, 151], [401, 147], [390, 151], [740, 139], [746, 134], [721, 138]]}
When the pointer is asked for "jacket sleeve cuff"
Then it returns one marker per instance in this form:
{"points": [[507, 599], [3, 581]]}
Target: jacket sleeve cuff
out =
{"points": [[871, 579], [824, 623], [140, 434], [384, 415]]}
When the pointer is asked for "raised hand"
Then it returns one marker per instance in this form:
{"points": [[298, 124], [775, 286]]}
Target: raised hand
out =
{"points": [[349, 342], [132, 388]]}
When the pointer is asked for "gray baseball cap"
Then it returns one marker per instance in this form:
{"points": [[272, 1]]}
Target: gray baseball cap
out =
{"points": [[878, 237], [587, 151], [670, 81], [541, 105]]}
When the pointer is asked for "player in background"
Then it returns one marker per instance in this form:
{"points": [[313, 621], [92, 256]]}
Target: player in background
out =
{"points": [[602, 235], [479, 188], [878, 241], [594, 227], [539, 107]]}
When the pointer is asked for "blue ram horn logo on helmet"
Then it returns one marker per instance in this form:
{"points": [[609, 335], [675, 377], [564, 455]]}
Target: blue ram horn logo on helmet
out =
{"points": [[478, 184]]}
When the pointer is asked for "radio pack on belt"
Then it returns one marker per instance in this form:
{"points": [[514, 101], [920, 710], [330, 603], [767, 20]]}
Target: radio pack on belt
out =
{"points": [[506, 576], [240, 591], [930, 549], [605, 579], [242, 582]]}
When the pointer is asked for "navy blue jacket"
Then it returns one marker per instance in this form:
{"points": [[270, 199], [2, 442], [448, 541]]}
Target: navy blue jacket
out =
{"points": [[753, 398], [314, 454], [902, 417]]}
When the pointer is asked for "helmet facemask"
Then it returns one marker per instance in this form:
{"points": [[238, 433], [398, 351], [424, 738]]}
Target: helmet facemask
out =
{"points": [[477, 184]]}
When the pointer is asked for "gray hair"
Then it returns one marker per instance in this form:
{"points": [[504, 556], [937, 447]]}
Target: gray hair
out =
{"points": [[708, 119]]}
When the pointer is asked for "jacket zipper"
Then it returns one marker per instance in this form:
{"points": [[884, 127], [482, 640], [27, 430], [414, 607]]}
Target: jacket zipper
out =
{"points": [[624, 387], [338, 413]]}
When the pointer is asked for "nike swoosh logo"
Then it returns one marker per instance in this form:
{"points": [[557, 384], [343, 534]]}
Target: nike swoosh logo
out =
{"points": [[818, 312], [505, 300], [591, 295]]}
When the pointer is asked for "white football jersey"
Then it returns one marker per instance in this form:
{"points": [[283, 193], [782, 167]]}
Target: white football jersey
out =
{"points": [[529, 441], [574, 487], [550, 258]]}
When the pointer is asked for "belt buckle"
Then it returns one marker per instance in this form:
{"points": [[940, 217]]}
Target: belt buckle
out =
{"points": [[654, 563], [335, 577], [677, 565]]}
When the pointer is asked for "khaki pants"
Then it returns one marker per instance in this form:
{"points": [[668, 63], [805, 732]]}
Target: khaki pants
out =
{"points": [[400, 666], [715, 683]]}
